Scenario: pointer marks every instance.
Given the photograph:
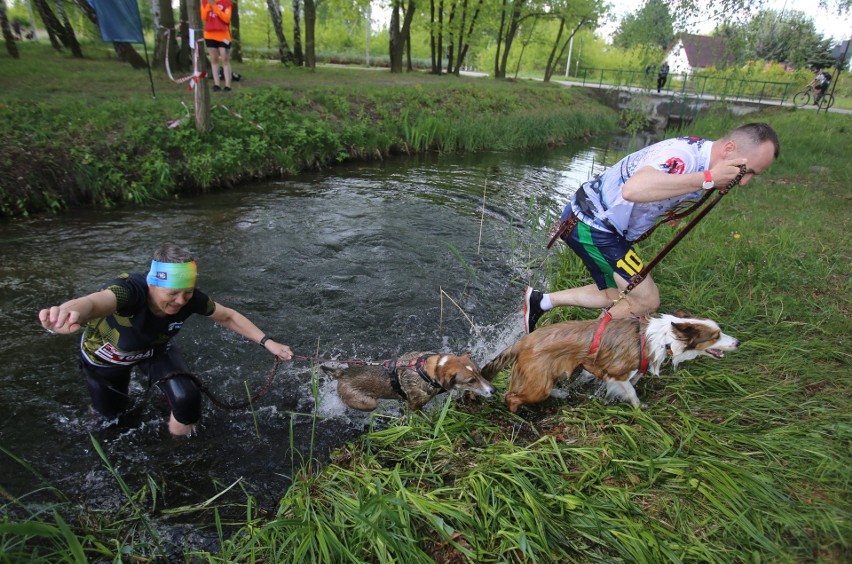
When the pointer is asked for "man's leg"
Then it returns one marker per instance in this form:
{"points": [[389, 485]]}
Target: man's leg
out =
{"points": [[642, 300], [612, 262]]}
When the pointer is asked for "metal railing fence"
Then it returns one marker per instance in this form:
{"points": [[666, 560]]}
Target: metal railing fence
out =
{"points": [[699, 84]]}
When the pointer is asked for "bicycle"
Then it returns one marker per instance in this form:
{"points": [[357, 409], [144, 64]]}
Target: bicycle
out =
{"points": [[803, 98]]}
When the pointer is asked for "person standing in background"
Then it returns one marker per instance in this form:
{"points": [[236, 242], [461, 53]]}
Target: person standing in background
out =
{"points": [[662, 76], [216, 15]]}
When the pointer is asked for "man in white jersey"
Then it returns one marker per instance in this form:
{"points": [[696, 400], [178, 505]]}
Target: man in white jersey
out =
{"points": [[616, 208]]}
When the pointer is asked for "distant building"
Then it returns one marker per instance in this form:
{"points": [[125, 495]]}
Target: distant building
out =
{"points": [[694, 52]]}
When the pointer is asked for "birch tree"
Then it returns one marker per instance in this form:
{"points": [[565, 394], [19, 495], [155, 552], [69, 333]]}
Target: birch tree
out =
{"points": [[284, 52]]}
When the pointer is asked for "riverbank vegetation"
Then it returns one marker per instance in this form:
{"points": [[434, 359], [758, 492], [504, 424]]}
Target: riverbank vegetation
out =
{"points": [[100, 139], [744, 459]]}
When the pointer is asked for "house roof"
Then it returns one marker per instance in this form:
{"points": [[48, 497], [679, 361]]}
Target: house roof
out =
{"points": [[702, 51]]}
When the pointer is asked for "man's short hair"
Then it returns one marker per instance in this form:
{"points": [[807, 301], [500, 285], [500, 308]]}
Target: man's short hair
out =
{"points": [[756, 134]]}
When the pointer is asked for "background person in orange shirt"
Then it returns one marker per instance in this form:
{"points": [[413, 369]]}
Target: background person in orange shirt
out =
{"points": [[217, 35]]}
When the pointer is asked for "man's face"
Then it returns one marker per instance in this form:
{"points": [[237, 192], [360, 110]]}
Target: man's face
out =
{"points": [[758, 158], [168, 301]]}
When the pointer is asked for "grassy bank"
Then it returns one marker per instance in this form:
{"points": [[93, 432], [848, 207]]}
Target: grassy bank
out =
{"points": [[88, 131]]}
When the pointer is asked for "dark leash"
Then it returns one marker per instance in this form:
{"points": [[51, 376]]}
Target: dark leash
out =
{"points": [[216, 400], [570, 223]]}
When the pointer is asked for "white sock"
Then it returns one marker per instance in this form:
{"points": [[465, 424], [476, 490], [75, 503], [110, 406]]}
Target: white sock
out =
{"points": [[546, 304]]}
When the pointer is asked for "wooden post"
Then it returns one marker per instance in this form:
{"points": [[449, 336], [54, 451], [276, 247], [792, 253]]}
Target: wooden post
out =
{"points": [[202, 87]]}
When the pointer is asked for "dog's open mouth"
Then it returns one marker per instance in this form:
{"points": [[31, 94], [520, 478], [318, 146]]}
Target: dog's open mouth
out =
{"points": [[715, 353]]}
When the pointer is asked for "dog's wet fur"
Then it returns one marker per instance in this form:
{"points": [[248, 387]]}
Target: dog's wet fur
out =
{"points": [[361, 385], [555, 351]]}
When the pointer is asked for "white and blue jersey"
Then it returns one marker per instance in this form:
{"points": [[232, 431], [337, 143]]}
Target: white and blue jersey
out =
{"points": [[600, 204]]}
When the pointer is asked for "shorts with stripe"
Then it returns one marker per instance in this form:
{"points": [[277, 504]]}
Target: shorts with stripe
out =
{"points": [[604, 254]]}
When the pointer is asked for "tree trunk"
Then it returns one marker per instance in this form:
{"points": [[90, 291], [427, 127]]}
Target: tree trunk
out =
{"points": [[297, 33], [69, 37], [524, 43], [432, 34], [408, 49], [399, 35], [284, 53], [554, 60], [395, 40], [159, 36], [167, 36], [463, 51], [51, 24], [499, 40], [125, 51], [203, 124], [128, 54], [185, 55], [452, 66], [514, 24], [9, 39], [451, 46], [548, 68], [310, 28], [236, 44]]}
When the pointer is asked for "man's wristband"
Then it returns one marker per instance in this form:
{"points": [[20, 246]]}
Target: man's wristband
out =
{"points": [[264, 339]]}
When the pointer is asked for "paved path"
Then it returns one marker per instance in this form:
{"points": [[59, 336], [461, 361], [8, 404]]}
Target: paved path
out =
{"points": [[708, 97]]}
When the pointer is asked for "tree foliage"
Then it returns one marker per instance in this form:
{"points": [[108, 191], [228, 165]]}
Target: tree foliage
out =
{"points": [[650, 25], [789, 37]]}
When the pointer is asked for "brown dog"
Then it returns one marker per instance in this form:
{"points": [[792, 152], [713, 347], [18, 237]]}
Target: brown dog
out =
{"points": [[618, 352], [415, 377]]}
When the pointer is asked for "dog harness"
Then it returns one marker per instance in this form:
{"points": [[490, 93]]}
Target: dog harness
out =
{"points": [[392, 368], [643, 354]]}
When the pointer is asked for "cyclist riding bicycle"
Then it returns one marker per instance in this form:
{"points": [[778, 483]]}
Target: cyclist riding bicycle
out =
{"points": [[820, 83]]}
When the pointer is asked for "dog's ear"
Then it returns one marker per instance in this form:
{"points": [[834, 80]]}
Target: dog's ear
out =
{"points": [[682, 313], [464, 354], [693, 334]]}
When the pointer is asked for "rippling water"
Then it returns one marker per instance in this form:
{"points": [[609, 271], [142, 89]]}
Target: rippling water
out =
{"points": [[359, 262]]}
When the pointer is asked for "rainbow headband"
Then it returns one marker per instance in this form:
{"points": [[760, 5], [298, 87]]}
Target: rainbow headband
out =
{"points": [[176, 275]]}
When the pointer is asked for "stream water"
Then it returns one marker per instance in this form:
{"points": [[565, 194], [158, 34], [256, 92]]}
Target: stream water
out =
{"points": [[362, 261]]}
